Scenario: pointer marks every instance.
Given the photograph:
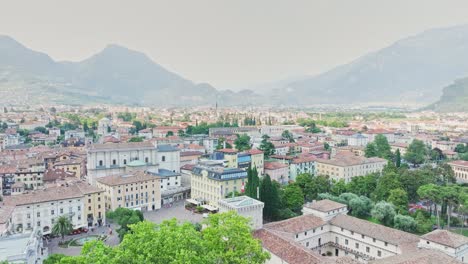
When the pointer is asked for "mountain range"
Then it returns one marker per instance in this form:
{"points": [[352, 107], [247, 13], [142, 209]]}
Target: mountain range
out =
{"points": [[454, 98], [413, 70], [114, 75]]}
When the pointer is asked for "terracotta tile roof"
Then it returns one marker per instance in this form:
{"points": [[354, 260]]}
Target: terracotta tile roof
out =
{"points": [[287, 250], [135, 177], [188, 167], [5, 213], [254, 152], [419, 256], [350, 160], [275, 165], [446, 238], [380, 232], [51, 175], [463, 163], [226, 150], [191, 153], [304, 159], [325, 205], [296, 225], [49, 194]]}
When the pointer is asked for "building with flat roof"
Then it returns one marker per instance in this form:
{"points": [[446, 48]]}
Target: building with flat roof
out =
{"points": [[246, 207]]}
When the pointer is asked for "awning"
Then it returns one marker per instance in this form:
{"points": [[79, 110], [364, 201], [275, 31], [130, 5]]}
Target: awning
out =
{"points": [[209, 207], [193, 201]]}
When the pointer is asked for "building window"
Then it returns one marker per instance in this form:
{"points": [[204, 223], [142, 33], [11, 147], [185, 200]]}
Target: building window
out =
{"points": [[146, 160], [125, 161], [373, 240], [29, 216], [100, 163], [307, 244], [305, 233], [163, 158], [38, 214], [367, 249], [386, 244], [346, 241], [362, 236], [379, 253], [357, 245], [297, 236], [52, 212], [114, 162], [38, 223]]}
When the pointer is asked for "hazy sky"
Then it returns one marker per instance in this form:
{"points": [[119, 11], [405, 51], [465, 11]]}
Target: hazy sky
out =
{"points": [[226, 43]]}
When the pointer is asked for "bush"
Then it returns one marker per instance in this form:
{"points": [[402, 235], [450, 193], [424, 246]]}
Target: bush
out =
{"points": [[199, 209]]}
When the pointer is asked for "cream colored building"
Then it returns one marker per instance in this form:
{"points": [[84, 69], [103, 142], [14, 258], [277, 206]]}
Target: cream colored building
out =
{"points": [[212, 183], [454, 245], [134, 190], [348, 166], [326, 234], [112, 158], [257, 158], [39, 209], [460, 170]]}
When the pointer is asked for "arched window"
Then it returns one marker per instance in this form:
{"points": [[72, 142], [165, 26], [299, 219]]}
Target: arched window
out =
{"points": [[163, 158], [125, 161]]}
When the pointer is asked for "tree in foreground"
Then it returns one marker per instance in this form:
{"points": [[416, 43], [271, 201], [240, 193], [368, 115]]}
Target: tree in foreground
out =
{"points": [[253, 183], [54, 258], [62, 226], [266, 146], [225, 238], [125, 217]]}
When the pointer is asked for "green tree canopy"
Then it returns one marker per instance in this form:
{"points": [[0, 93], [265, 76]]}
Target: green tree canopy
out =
{"points": [[405, 223], [270, 196], [399, 199], [293, 197], [416, 152], [384, 212], [225, 238], [242, 142], [266, 146], [125, 217]]}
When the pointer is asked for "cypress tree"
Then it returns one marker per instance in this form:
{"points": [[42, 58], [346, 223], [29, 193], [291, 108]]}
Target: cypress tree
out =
{"points": [[270, 197]]}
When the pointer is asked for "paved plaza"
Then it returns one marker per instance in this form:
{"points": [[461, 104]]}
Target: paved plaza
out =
{"points": [[177, 210]]}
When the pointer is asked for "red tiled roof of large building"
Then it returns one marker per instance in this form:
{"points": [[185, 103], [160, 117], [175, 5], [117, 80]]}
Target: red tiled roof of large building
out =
{"points": [[296, 225], [190, 153], [275, 165], [378, 131], [325, 205], [446, 238], [287, 250], [254, 151], [226, 150], [304, 159], [463, 163]]}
